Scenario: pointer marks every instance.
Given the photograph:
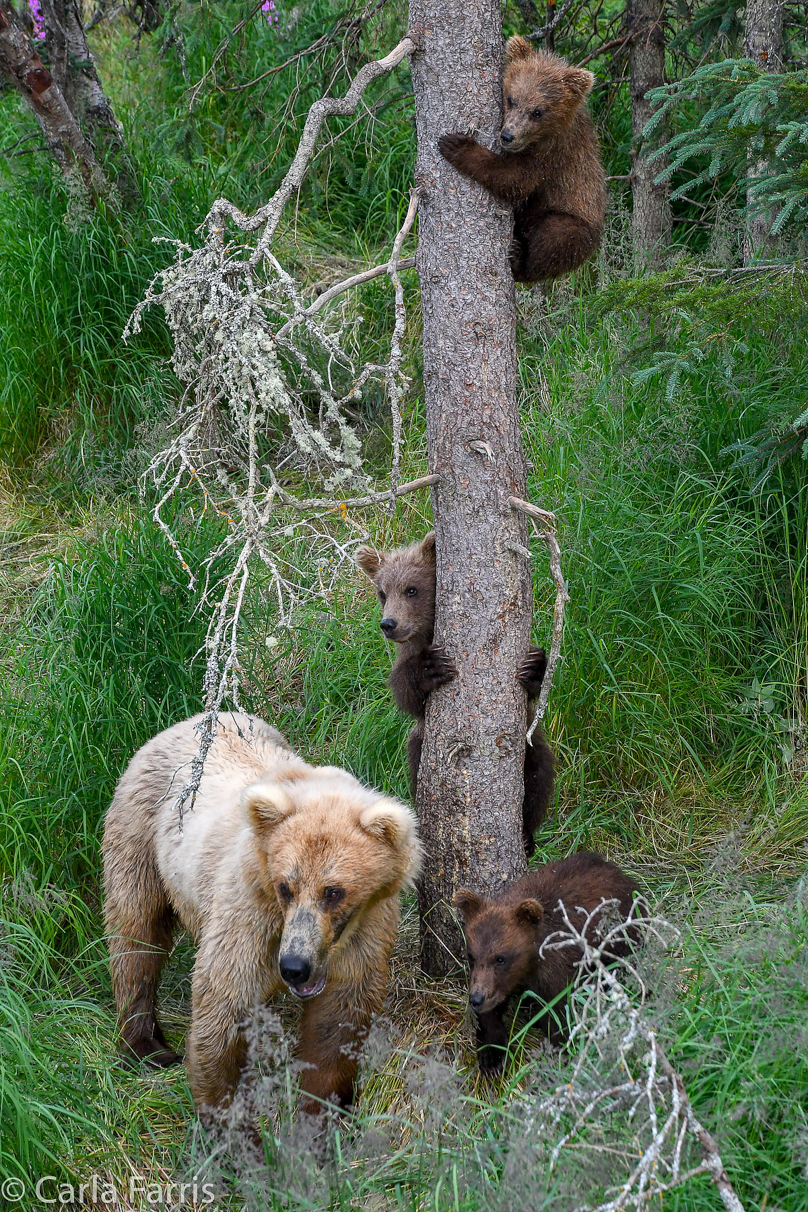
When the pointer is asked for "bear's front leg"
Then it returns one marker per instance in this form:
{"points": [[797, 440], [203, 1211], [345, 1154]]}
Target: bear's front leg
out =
{"points": [[336, 1022], [415, 677], [215, 1052], [492, 1041], [502, 175]]}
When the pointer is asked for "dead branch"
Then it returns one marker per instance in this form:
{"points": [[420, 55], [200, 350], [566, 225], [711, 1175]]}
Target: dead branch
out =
{"points": [[548, 537], [647, 1088], [251, 349]]}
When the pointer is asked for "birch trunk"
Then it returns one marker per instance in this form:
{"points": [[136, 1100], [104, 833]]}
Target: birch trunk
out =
{"points": [[74, 70], [471, 774], [20, 62], [651, 210], [763, 44]]}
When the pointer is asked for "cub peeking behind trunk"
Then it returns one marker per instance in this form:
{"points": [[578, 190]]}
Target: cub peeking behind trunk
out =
{"points": [[405, 582]]}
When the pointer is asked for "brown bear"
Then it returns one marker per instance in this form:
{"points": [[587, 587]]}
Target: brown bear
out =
{"points": [[503, 937], [550, 169], [285, 874], [405, 582]]}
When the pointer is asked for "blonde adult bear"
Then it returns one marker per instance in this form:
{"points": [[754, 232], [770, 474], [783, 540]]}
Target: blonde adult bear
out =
{"points": [[285, 874]]}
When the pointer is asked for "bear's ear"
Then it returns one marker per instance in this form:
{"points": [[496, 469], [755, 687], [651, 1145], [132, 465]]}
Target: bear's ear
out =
{"points": [[369, 560], [394, 824], [579, 82], [428, 547], [266, 805], [467, 903], [517, 48], [530, 912]]}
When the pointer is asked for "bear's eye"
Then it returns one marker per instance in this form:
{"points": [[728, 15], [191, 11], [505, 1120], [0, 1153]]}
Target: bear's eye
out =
{"points": [[333, 896], [509, 101], [470, 959], [284, 891], [382, 597], [538, 113], [412, 592], [499, 961]]}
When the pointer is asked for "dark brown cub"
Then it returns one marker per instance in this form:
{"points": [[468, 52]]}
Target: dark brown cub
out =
{"points": [[550, 169], [405, 583], [503, 937]]}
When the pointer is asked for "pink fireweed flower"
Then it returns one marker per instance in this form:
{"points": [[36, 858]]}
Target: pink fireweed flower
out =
{"points": [[267, 7], [36, 14]]}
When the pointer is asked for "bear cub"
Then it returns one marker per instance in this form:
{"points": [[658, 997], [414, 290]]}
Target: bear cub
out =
{"points": [[550, 169], [405, 582], [503, 937]]}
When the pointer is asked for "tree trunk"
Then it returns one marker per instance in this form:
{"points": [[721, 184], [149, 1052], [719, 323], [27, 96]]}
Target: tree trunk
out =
{"points": [[651, 212], [74, 70], [20, 62], [763, 44], [471, 775]]}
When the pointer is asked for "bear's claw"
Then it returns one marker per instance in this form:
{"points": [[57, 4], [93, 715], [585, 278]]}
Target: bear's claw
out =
{"points": [[491, 1061], [437, 668], [452, 147], [531, 672]]}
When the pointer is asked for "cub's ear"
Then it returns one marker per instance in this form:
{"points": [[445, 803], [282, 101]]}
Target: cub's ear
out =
{"points": [[517, 48], [579, 82], [428, 547], [530, 911], [394, 824], [266, 805], [369, 560], [467, 903]]}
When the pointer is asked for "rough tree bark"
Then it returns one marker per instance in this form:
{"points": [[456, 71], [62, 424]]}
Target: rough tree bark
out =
{"points": [[470, 781], [73, 67], [20, 62], [651, 210], [763, 44]]}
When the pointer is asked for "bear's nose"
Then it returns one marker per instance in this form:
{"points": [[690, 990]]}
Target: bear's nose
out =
{"points": [[295, 970], [477, 1000], [506, 137], [388, 626]]}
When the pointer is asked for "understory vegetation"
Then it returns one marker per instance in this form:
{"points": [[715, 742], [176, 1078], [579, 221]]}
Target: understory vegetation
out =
{"points": [[664, 420]]}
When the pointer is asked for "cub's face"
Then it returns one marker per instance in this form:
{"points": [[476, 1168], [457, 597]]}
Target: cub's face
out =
{"points": [[326, 854], [404, 579], [502, 947], [540, 95]]}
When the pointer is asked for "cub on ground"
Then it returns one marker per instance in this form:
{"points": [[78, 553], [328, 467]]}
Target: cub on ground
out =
{"points": [[550, 169], [405, 582], [503, 937], [285, 874]]}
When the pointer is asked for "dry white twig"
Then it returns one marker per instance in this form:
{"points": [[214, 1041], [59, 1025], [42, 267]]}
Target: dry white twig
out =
{"points": [[548, 537], [269, 376], [647, 1089]]}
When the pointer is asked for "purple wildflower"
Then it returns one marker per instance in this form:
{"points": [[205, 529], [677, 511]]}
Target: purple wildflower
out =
{"points": [[267, 7], [36, 15]]}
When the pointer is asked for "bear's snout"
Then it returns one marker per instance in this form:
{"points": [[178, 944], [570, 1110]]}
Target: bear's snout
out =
{"points": [[476, 1000], [295, 969], [389, 626], [506, 137]]}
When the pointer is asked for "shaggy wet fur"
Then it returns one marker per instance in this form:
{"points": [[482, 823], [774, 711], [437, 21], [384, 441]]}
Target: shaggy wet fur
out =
{"points": [[285, 874], [404, 579], [503, 938], [550, 169]]}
